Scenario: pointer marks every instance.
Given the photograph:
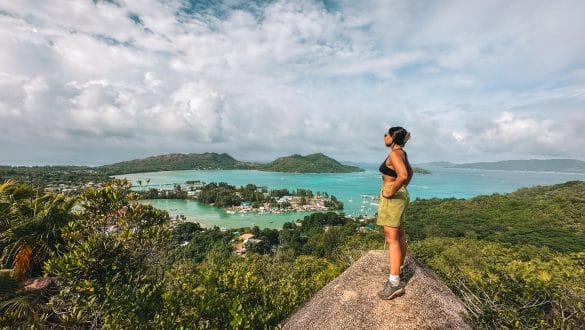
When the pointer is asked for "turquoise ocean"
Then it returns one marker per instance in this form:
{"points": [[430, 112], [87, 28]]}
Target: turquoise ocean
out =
{"points": [[349, 188]]}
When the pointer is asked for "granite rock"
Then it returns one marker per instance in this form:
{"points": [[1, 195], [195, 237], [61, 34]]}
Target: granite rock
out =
{"points": [[351, 302]]}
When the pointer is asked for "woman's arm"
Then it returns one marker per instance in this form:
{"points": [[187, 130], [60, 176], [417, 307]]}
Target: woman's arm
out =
{"points": [[410, 173], [397, 160]]}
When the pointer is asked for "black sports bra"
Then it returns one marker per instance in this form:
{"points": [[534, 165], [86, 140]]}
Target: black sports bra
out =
{"points": [[390, 171]]}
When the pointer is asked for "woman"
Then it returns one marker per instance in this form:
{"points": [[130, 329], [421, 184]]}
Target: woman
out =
{"points": [[396, 174]]}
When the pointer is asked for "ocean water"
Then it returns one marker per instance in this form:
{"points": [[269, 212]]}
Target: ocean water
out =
{"points": [[349, 188]]}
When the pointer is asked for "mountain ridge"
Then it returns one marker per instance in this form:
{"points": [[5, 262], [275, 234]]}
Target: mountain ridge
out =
{"points": [[312, 163], [566, 165], [177, 161]]}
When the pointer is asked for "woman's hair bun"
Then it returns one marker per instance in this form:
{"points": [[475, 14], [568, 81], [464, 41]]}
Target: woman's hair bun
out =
{"points": [[399, 135]]}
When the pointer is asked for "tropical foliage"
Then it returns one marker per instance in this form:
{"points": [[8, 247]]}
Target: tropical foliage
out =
{"points": [[552, 216], [224, 195], [516, 260], [511, 286], [116, 263]]}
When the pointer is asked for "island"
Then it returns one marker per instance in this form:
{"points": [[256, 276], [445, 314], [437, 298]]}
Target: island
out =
{"points": [[248, 198], [537, 165], [420, 170], [314, 163], [534, 165]]}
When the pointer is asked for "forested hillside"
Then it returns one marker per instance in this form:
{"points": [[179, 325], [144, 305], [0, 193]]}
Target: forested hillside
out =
{"points": [[550, 216], [516, 260], [315, 163], [99, 259], [174, 162]]}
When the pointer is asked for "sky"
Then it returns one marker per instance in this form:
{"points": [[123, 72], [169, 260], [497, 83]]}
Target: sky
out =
{"points": [[97, 82]]}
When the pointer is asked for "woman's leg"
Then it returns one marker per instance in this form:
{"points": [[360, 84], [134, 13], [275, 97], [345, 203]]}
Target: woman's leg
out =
{"points": [[394, 249], [403, 244]]}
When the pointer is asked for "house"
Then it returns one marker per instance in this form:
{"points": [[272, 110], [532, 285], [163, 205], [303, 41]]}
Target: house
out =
{"points": [[245, 237], [284, 199], [242, 241]]}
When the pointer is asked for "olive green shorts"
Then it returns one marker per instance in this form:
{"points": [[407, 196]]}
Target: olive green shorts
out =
{"points": [[391, 211]]}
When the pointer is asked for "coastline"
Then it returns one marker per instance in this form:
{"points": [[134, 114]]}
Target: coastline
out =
{"points": [[348, 188]]}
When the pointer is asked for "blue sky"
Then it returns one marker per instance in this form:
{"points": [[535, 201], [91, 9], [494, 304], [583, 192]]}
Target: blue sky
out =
{"points": [[94, 82]]}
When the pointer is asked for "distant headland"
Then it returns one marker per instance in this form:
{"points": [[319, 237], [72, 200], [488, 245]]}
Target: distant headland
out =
{"points": [[536, 165]]}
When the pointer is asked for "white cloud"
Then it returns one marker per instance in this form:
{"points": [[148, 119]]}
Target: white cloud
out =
{"points": [[274, 78]]}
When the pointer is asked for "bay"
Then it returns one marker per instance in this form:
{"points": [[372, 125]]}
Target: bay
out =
{"points": [[347, 187]]}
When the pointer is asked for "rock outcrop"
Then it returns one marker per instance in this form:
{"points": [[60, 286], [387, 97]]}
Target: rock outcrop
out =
{"points": [[351, 302], [38, 284]]}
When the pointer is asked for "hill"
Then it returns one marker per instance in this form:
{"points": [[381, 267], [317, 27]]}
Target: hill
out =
{"points": [[539, 165], [550, 216], [314, 163], [173, 162]]}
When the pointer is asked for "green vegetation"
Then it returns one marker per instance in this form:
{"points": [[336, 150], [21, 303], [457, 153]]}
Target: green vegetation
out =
{"points": [[420, 170], [174, 162], [118, 264], [552, 216], [52, 176], [315, 163], [251, 197], [510, 286], [541, 165], [47, 176], [224, 195], [516, 260]]}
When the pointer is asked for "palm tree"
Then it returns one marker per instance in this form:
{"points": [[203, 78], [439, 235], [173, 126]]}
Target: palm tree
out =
{"points": [[29, 234], [31, 227]]}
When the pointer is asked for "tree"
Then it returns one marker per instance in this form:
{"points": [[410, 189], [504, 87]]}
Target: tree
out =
{"points": [[110, 275], [261, 247], [32, 227]]}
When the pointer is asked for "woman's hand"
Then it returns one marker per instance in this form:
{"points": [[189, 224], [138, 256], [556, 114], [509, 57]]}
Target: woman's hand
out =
{"points": [[386, 193]]}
